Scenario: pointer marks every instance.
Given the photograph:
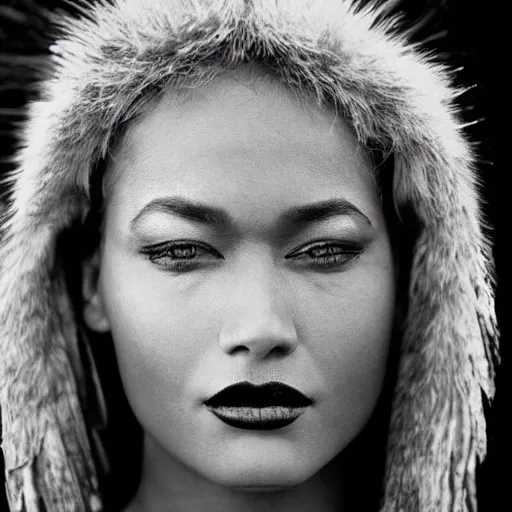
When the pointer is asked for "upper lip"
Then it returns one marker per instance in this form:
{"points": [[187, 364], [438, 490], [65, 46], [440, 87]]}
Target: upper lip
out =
{"points": [[245, 394]]}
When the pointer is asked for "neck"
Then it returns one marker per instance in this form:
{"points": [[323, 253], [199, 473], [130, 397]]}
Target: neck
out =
{"points": [[167, 485]]}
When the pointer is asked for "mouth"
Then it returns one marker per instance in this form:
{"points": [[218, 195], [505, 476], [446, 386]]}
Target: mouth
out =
{"points": [[270, 406]]}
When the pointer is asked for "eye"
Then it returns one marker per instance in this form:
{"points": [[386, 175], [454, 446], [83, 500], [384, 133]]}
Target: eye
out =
{"points": [[185, 255], [181, 255], [329, 255]]}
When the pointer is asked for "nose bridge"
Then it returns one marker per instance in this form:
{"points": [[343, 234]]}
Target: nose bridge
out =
{"points": [[257, 320]]}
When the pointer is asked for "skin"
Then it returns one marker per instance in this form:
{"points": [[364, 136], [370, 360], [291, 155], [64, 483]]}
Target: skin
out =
{"points": [[243, 310]]}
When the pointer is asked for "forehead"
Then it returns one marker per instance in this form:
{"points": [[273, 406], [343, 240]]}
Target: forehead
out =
{"points": [[242, 140]]}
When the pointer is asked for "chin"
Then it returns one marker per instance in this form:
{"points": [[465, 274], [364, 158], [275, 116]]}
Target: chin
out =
{"points": [[258, 489], [257, 477]]}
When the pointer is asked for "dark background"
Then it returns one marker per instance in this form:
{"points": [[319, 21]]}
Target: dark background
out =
{"points": [[472, 35]]}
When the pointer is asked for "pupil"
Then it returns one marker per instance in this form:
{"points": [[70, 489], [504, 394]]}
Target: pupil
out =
{"points": [[185, 252], [322, 251]]}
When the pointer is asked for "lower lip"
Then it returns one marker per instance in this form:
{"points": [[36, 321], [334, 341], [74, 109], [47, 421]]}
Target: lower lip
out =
{"points": [[257, 418]]}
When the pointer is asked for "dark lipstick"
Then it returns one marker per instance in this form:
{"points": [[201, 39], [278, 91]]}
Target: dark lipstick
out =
{"points": [[268, 406]]}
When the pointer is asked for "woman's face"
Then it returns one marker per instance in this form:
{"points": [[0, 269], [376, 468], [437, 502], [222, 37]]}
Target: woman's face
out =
{"points": [[244, 241]]}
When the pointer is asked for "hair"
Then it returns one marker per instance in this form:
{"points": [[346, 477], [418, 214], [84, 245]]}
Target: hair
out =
{"points": [[366, 452]]}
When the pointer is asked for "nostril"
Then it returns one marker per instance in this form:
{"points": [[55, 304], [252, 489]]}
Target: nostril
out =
{"points": [[259, 335], [282, 349], [239, 348]]}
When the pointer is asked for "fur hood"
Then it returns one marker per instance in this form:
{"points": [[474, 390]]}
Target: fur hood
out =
{"points": [[103, 66]]}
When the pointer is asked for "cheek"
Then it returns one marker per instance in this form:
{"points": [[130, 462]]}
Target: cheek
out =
{"points": [[348, 334], [157, 337]]}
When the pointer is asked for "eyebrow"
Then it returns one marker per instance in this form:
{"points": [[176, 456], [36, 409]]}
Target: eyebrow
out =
{"points": [[209, 215]]}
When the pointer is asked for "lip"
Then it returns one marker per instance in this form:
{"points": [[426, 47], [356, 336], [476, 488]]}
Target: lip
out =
{"points": [[268, 406], [269, 394], [257, 418]]}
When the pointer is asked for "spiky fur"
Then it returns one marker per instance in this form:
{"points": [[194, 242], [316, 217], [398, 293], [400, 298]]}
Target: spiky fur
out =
{"points": [[395, 98]]}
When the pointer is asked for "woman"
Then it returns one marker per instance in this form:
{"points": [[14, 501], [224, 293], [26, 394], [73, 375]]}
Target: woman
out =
{"points": [[261, 203]]}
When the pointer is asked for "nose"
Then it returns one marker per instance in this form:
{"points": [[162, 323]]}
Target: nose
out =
{"points": [[258, 322]]}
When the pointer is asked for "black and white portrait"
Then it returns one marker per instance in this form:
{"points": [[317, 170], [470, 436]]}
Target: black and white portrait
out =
{"points": [[250, 256]]}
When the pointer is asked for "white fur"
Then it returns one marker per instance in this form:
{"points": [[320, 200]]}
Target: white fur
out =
{"points": [[394, 97]]}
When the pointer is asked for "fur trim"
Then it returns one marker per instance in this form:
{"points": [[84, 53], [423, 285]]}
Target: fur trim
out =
{"points": [[394, 97]]}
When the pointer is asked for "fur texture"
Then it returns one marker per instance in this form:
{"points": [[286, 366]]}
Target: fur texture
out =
{"points": [[395, 98]]}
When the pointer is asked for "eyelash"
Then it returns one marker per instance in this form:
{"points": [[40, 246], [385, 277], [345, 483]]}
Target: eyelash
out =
{"points": [[325, 258]]}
